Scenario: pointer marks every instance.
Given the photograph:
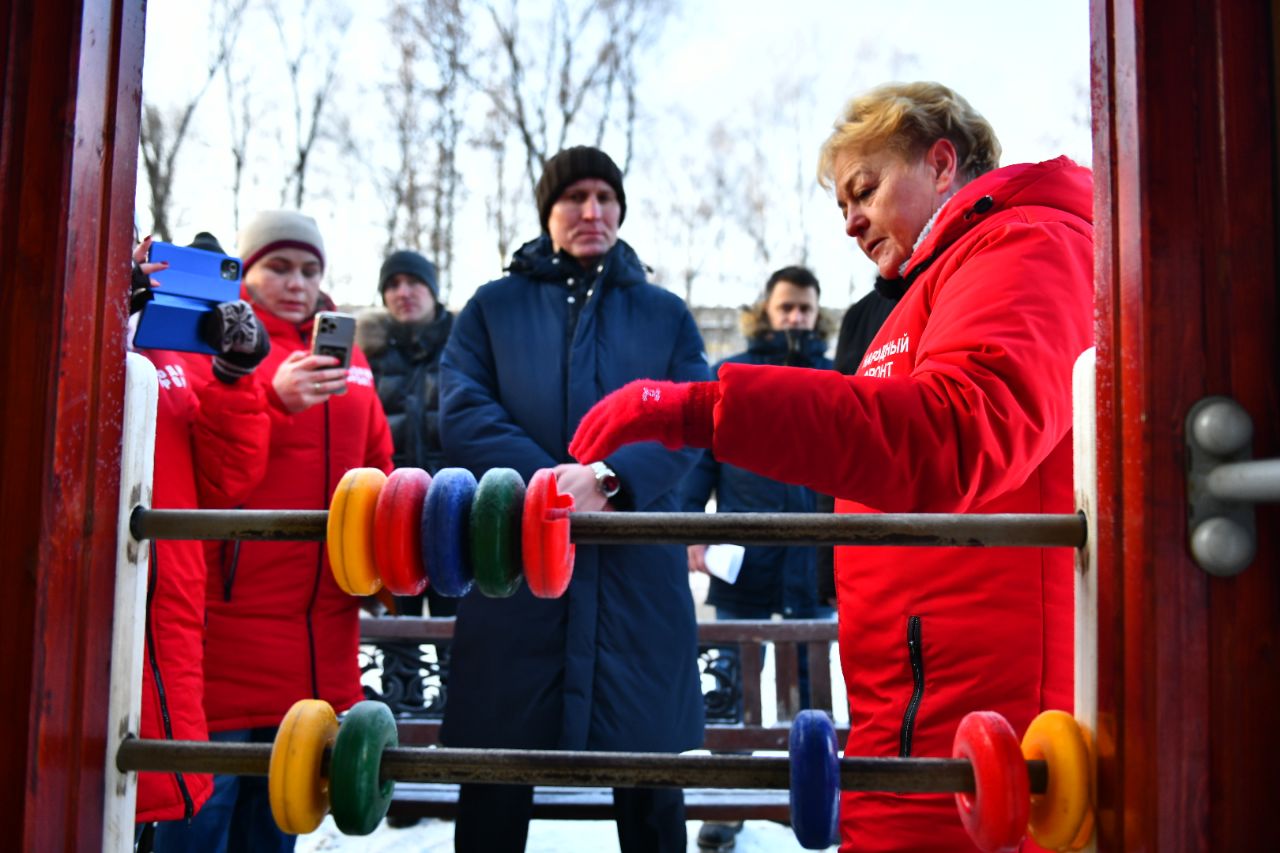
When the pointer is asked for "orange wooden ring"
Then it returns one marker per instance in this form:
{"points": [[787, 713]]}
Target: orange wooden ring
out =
{"points": [[546, 549], [995, 815], [350, 531], [1058, 814], [1085, 835], [397, 543]]}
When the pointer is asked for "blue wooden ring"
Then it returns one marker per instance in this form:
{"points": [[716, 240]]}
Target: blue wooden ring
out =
{"points": [[815, 780], [445, 517]]}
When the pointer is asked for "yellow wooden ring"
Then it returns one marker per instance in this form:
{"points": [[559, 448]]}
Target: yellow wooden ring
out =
{"points": [[350, 532], [299, 795], [1085, 835], [1058, 814]]}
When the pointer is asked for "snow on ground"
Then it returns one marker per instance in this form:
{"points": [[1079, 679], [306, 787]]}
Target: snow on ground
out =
{"points": [[545, 836]]}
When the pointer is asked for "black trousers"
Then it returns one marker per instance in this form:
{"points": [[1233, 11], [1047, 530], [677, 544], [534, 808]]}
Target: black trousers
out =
{"points": [[495, 819]]}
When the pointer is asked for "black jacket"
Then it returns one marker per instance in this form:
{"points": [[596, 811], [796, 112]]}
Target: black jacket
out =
{"points": [[405, 359]]}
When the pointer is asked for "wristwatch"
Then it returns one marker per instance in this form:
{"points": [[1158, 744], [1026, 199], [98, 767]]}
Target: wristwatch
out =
{"points": [[606, 480]]}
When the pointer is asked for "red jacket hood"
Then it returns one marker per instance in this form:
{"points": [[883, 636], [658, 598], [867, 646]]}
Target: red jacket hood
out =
{"points": [[1059, 183]]}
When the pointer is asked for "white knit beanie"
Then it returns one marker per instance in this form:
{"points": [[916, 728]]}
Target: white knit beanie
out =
{"points": [[278, 229]]}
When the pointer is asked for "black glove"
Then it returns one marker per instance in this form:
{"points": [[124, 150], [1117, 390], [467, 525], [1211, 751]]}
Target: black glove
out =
{"points": [[139, 290], [239, 338]]}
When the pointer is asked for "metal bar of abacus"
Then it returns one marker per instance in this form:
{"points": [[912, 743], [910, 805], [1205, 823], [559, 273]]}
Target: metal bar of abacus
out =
{"points": [[577, 769], [600, 528]]}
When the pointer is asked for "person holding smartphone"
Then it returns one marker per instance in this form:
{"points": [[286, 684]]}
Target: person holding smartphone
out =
{"points": [[278, 627], [223, 421]]}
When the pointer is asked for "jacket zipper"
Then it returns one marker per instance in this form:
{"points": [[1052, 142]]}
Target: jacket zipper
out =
{"points": [[188, 805], [916, 655], [315, 585], [229, 567]]}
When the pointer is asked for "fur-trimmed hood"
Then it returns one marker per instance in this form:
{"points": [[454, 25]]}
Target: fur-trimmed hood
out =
{"points": [[755, 322]]}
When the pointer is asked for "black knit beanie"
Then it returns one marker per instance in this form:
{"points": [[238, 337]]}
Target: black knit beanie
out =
{"points": [[574, 164], [409, 263], [207, 242]]}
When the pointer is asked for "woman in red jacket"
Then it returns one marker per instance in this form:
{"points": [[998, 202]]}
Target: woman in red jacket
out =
{"points": [[962, 403], [196, 424], [279, 628]]}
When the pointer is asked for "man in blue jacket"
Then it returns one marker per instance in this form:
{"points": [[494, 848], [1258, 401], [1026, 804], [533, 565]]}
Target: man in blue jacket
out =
{"points": [[785, 327], [611, 665]]}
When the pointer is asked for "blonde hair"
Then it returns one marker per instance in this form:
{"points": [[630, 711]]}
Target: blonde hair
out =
{"points": [[907, 118]]}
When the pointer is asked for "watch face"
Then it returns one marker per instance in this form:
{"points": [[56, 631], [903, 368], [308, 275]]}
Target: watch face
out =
{"points": [[606, 480]]}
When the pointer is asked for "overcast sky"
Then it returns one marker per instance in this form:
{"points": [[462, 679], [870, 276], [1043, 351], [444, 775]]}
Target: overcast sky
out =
{"points": [[1024, 65]]}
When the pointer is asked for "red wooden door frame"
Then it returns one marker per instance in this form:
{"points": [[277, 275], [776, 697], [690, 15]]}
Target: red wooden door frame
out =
{"points": [[68, 146], [1184, 154], [1186, 229]]}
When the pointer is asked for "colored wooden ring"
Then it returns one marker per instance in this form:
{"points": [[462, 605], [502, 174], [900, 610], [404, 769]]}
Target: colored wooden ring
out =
{"points": [[350, 531], [397, 520], [1085, 835], [815, 780], [360, 798], [445, 515], [547, 551], [995, 815], [1058, 814], [496, 532], [298, 793]]}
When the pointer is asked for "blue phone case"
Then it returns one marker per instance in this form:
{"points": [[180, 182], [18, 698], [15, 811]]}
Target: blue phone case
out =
{"points": [[195, 281], [196, 273]]}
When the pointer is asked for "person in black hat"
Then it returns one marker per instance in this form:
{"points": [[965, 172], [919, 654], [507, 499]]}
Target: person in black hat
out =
{"points": [[612, 663], [403, 341]]}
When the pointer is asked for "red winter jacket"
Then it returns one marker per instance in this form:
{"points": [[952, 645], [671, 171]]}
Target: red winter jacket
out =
{"points": [[194, 427], [279, 628], [961, 404]]}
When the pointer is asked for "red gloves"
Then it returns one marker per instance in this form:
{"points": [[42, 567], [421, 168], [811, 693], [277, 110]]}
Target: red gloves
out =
{"points": [[678, 414]]}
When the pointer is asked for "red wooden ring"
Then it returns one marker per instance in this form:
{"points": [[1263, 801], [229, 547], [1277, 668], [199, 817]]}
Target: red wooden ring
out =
{"points": [[397, 544], [548, 554], [995, 816]]}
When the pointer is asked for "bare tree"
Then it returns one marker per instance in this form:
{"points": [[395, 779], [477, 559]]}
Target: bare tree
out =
{"points": [[447, 34], [570, 74], [406, 100], [500, 205], [313, 75], [239, 118], [163, 132]]}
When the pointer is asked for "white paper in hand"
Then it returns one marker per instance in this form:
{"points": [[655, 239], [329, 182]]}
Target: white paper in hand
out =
{"points": [[725, 561]]}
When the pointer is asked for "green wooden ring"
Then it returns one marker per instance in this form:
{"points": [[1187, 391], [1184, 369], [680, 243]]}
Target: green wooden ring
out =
{"points": [[358, 799], [496, 511]]}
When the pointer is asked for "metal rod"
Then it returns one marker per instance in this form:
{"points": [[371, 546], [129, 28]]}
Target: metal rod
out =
{"points": [[577, 769], [599, 528], [1255, 480]]}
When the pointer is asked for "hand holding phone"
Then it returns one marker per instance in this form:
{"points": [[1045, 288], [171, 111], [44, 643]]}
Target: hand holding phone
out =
{"points": [[189, 283], [305, 379], [334, 334]]}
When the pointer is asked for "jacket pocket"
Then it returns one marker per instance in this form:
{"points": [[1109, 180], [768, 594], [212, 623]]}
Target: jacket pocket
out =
{"points": [[915, 655]]}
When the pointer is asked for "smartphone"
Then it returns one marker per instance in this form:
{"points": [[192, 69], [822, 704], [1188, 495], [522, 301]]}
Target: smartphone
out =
{"points": [[194, 282], [196, 273], [334, 334]]}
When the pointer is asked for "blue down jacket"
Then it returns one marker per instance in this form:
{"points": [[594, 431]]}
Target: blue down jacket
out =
{"points": [[612, 664], [780, 578]]}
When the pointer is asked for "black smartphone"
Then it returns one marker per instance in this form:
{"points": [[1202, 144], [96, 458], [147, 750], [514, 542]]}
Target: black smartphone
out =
{"points": [[194, 282], [334, 334]]}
